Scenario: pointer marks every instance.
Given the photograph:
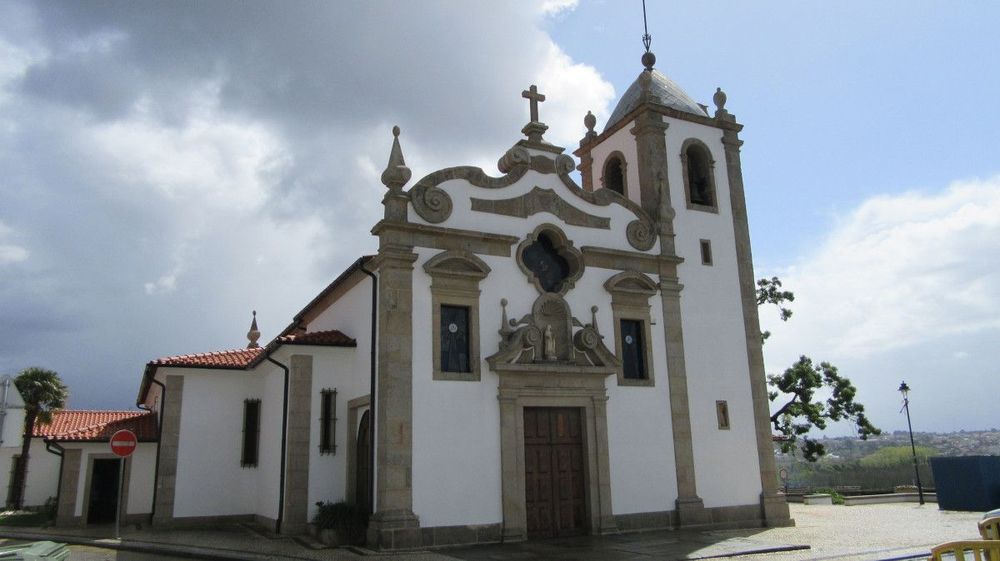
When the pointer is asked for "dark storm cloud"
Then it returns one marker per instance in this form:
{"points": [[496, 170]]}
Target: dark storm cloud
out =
{"points": [[169, 166]]}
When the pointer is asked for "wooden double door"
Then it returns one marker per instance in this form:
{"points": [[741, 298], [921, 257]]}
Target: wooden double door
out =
{"points": [[554, 474]]}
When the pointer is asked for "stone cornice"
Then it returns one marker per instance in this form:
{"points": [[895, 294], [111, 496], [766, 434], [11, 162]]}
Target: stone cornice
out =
{"points": [[663, 110], [439, 237]]}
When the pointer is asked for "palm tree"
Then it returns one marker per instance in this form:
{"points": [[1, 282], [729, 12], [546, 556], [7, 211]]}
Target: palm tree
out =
{"points": [[43, 394]]}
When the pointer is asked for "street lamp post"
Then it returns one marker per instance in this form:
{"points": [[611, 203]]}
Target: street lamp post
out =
{"points": [[905, 390]]}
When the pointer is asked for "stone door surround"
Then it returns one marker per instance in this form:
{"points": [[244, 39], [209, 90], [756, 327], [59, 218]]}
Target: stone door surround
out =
{"points": [[554, 386]]}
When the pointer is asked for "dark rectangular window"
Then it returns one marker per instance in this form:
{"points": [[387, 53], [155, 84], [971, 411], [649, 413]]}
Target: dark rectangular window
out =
{"points": [[706, 252], [251, 432], [327, 421], [722, 412], [633, 349], [454, 339]]}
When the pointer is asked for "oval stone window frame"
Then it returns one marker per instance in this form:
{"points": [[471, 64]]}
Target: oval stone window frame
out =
{"points": [[562, 247]]}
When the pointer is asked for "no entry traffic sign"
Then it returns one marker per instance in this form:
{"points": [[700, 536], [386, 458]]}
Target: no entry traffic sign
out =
{"points": [[123, 443]]}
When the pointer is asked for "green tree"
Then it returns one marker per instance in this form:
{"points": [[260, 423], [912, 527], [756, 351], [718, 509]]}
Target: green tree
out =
{"points": [[43, 394], [891, 456], [769, 292], [802, 411]]}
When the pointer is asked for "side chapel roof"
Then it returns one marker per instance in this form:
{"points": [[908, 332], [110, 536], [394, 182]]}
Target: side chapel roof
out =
{"points": [[96, 426]]}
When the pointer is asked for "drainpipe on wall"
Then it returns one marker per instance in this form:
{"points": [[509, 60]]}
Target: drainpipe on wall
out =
{"points": [[371, 402], [284, 442], [58, 452], [3, 405], [159, 438]]}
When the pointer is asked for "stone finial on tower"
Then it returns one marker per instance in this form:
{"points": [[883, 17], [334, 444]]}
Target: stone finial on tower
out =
{"points": [[648, 60], [590, 121], [396, 173], [254, 334], [720, 102]]}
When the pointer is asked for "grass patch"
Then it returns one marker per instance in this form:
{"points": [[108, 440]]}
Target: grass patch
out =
{"points": [[836, 497]]}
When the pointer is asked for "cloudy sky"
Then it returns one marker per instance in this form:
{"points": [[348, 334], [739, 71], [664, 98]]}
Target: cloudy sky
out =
{"points": [[167, 167]]}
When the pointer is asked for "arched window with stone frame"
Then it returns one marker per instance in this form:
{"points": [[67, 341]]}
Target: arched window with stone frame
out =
{"points": [[613, 175], [698, 169]]}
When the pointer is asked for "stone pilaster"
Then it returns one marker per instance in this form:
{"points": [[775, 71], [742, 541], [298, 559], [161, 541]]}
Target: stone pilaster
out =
{"points": [[586, 169], [170, 432], [690, 508], [296, 508], [66, 509], [606, 520], [651, 149], [773, 505], [515, 521], [393, 524], [654, 189]]}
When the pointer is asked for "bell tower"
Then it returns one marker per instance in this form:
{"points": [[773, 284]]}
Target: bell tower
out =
{"points": [[664, 151]]}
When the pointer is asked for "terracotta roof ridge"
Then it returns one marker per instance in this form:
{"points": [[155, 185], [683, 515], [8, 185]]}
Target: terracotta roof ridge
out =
{"points": [[97, 425], [207, 354], [139, 412]]}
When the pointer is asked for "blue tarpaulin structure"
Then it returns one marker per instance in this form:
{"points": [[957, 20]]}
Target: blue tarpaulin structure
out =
{"points": [[967, 482]]}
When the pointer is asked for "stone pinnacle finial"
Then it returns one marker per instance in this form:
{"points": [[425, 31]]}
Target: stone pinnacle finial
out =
{"points": [[254, 334], [396, 173], [720, 102], [590, 121]]}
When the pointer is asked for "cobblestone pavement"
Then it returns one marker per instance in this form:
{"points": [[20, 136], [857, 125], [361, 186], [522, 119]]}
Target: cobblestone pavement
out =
{"points": [[867, 532], [855, 533]]}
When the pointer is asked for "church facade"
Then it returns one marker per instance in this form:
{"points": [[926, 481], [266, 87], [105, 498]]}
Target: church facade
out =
{"points": [[523, 357]]}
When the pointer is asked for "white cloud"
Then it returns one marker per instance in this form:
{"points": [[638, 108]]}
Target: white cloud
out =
{"points": [[896, 272], [552, 7], [163, 285], [559, 78], [904, 287], [212, 161], [9, 252]]}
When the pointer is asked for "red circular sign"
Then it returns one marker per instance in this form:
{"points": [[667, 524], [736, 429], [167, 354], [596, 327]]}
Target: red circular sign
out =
{"points": [[123, 443]]}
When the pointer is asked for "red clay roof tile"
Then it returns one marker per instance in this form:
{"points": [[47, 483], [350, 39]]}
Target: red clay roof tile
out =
{"points": [[236, 359], [97, 426]]}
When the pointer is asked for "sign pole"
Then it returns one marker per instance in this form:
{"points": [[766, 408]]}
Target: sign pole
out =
{"points": [[123, 443], [118, 506]]}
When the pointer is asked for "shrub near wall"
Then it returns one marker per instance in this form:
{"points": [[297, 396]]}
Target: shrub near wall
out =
{"points": [[346, 521]]}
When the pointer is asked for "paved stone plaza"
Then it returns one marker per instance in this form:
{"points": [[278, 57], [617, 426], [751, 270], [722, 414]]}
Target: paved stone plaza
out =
{"points": [[856, 533]]}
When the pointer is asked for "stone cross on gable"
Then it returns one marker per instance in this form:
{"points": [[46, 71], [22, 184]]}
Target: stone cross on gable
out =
{"points": [[534, 97]]}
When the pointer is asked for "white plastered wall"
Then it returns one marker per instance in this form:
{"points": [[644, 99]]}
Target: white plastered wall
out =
{"points": [[43, 472], [714, 334], [346, 369], [210, 481]]}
